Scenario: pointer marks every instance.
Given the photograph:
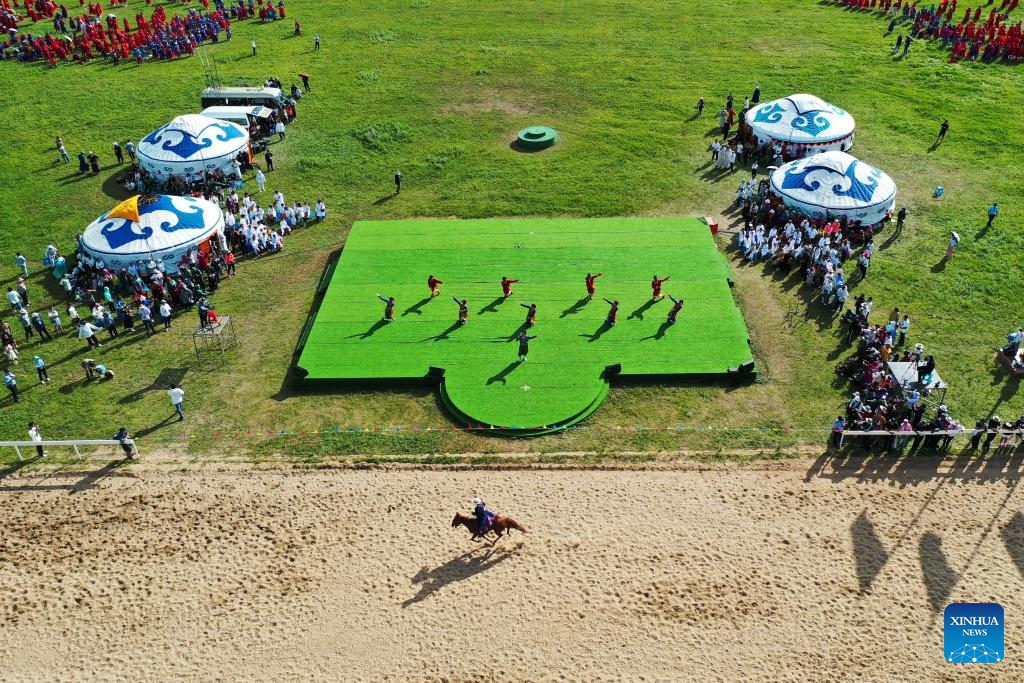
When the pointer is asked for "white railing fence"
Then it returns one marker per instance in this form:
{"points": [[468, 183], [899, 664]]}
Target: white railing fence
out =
{"points": [[72, 443]]}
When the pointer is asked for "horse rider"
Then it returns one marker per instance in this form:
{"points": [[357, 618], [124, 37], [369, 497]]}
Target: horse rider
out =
{"points": [[484, 517]]}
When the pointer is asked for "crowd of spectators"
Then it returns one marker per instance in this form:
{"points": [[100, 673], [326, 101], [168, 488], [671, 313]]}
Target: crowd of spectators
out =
{"points": [[980, 33], [93, 34]]}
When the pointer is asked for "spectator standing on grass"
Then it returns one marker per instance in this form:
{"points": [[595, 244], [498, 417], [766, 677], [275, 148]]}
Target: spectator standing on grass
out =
{"points": [[23, 291], [165, 308], [252, 44], [316, 42], [87, 331], [177, 395], [899, 44], [44, 377], [943, 129], [700, 107], [268, 156], [14, 299], [37, 436], [279, 129], [993, 211], [130, 148], [118, 152], [54, 317], [65, 158], [40, 326], [11, 382], [146, 316], [398, 182], [261, 180], [22, 263], [951, 246], [26, 323]]}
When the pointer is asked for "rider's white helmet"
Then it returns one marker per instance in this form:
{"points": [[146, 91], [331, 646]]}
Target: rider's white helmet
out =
{"points": [[478, 501]]}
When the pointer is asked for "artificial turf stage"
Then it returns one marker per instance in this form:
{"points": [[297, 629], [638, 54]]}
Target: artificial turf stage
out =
{"points": [[563, 381]]}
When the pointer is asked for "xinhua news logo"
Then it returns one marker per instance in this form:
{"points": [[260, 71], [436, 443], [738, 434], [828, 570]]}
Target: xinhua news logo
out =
{"points": [[973, 633]]}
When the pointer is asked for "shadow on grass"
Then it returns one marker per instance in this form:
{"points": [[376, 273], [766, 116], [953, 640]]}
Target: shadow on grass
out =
{"points": [[114, 189], [464, 566], [503, 375], [661, 331], [447, 333], [385, 199], [638, 314], [516, 146], [599, 333], [576, 307], [940, 266], [372, 331], [493, 306], [519, 330], [415, 308], [163, 381]]}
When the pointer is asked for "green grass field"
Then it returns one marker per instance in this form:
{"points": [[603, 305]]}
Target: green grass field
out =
{"points": [[439, 90], [562, 382]]}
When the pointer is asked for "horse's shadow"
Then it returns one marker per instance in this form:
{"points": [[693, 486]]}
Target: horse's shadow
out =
{"points": [[460, 568]]}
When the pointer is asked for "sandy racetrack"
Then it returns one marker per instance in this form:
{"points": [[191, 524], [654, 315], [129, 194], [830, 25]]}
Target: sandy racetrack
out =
{"points": [[755, 573]]}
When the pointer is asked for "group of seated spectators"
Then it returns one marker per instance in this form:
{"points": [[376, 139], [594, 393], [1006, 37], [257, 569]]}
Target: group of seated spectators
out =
{"points": [[90, 35]]}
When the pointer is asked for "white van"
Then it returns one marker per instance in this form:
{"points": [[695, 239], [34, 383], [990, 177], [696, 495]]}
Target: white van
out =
{"points": [[243, 116], [242, 97]]}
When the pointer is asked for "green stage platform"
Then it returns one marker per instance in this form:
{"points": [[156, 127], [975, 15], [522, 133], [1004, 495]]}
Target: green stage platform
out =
{"points": [[563, 382]]}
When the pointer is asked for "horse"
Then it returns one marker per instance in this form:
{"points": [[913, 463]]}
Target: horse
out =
{"points": [[500, 525]]}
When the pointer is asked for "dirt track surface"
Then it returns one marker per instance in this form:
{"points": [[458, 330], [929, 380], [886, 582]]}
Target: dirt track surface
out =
{"points": [[772, 573]]}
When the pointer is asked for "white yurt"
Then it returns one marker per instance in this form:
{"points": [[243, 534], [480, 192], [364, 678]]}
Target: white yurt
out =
{"points": [[158, 227], [191, 145], [811, 124], [835, 184]]}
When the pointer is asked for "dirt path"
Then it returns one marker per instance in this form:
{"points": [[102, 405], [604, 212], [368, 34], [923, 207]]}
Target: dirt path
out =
{"points": [[789, 571]]}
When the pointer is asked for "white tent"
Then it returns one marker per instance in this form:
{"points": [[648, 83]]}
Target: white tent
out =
{"points": [[158, 227], [191, 145], [809, 123], [835, 184]]}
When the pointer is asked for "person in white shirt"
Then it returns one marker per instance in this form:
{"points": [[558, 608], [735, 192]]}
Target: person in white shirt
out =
{"points": [[261, 182], [165, 314], [35, 435], [177, 395]]}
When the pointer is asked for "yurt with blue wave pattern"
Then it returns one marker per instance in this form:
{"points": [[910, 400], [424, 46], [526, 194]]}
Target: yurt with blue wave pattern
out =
{"points": [[192, 145], [803, 121], [835, 184], [158, 227]]}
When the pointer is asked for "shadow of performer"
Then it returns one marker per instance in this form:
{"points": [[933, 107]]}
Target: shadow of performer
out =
{"points": [[492, 307], [661, 331], [505, 372], [373, 330], [460, 568], [575, 308], [444, 335], [599, 333], [939, 577], [638, 314], [868, 553], [415, 308]]}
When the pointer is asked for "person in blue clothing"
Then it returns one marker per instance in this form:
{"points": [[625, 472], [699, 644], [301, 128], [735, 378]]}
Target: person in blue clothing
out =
{"points": [[484, 517], [463, 310]]}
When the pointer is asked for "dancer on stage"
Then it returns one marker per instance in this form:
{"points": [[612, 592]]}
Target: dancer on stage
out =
{"points": [[591, 287], [506, 286], [524, 345], [677, 305], [389, 307], [435, 285], [463, 310], [531, 314], [656, 287], [613, 312]]}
